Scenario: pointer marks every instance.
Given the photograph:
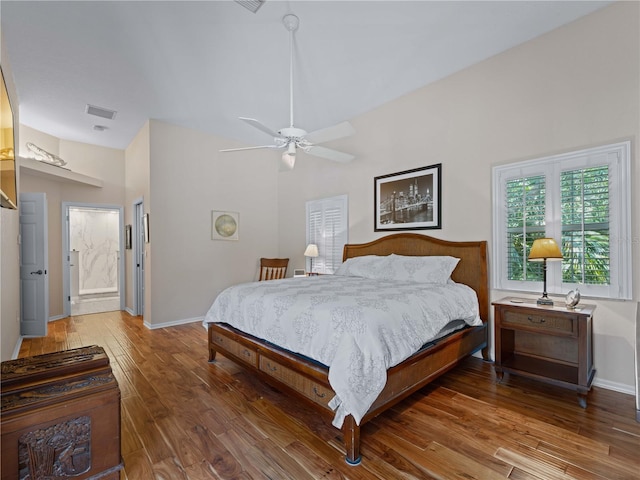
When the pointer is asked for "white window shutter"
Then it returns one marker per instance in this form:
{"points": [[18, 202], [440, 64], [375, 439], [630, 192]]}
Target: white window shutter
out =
{"points": [[327, 227]]}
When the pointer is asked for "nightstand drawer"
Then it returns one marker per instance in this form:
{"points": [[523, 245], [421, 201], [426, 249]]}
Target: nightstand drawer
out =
{"points": [[541, 321]]}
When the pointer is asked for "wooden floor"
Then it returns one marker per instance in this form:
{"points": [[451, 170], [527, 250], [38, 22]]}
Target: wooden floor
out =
{"points": [[184, 418]]}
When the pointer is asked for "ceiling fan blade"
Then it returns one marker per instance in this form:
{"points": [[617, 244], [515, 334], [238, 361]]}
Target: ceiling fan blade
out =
{"points": [[260, 126], [329, 154], [250, 148], [340, 130]]}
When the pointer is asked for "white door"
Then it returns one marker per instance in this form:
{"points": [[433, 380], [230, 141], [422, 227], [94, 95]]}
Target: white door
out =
{"points": [[138, 257], [34, 264]]}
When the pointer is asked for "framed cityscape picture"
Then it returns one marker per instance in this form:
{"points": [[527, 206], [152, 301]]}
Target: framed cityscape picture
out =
{"points": [[409, 200]]}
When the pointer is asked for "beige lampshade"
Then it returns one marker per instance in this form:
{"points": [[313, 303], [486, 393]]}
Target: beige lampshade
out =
{"points": [[311, 251], [544, 248]]}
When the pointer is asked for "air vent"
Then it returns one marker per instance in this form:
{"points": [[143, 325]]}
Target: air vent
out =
{"points": [[251, 5], [101, 112]]}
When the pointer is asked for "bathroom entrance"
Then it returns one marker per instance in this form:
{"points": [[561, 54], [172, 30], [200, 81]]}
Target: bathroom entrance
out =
{"points": [[94, 264]]}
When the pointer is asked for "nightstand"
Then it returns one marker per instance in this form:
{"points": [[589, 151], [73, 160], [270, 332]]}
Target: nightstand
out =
{"points": [[552, 343]]}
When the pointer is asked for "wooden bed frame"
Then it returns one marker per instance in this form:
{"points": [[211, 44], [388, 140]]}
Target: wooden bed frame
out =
{"points": [[309, 380]]}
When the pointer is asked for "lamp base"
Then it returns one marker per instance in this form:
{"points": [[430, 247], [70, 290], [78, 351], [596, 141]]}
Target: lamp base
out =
{"points": [[544, 301]]}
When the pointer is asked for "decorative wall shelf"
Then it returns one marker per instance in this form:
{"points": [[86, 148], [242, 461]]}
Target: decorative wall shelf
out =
{"points": [[52, 172]]}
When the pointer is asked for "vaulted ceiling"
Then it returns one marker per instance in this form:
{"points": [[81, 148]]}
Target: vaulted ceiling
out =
{"points": [[202, 64]]}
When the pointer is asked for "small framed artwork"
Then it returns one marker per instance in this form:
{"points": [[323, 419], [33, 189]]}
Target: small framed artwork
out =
{"points": [[409, 200], [127, 237], [145, 227], [224, 225]]}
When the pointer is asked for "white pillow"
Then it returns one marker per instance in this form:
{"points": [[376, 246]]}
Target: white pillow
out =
{"points": [[429, 269], [366, 266]]}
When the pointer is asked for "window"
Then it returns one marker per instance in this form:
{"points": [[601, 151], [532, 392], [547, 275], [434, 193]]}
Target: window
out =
{"points": [[327, 227], [583, 200]]}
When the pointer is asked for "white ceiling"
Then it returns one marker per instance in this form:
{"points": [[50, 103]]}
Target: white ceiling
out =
{"points": [[202, 64]]}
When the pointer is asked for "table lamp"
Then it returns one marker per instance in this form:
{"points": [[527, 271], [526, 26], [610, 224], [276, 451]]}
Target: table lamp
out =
{"points": [[311, 252], [544, 249]]}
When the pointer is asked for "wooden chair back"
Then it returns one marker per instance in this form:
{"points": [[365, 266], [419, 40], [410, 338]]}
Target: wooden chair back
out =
{"points": [[273, 268]]}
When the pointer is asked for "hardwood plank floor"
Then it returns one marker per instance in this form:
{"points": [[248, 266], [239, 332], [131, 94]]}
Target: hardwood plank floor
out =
{"points": [[183, 418]]}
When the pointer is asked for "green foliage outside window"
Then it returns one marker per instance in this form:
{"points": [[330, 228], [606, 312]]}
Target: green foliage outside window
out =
{"points": [[585, 225], [525, 223]]}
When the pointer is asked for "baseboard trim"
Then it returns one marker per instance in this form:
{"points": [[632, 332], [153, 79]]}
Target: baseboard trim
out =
{"points": [[184, 321], [616, 387], [16, 349]]}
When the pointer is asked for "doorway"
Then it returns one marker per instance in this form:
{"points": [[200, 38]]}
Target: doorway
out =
{"points": [[94, 275]]}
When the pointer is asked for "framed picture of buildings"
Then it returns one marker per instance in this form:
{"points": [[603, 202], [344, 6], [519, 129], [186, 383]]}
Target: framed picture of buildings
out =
{"points": [[409, 200]]}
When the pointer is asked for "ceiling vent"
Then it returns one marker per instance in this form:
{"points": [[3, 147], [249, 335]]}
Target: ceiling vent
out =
{"points": [[251, 5], [101, 112]]}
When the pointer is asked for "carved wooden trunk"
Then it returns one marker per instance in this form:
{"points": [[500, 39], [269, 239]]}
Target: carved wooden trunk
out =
{"points": [[61, 417]]}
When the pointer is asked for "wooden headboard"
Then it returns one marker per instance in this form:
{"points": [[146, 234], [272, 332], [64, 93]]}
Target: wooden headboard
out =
{"points": [[472, 269]]}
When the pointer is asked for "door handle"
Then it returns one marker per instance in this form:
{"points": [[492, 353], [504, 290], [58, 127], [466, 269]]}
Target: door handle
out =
{"points": [[39, 272]]}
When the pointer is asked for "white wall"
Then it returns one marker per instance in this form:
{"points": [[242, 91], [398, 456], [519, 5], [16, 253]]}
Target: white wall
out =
{"points": [[189, 179], [137, 186], [575, 87]]}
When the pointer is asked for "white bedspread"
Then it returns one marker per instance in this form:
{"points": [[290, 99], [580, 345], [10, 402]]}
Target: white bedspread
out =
{"points": [[357, 327]]}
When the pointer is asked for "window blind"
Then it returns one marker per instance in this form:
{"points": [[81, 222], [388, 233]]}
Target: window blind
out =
{"points": [[327, 227]]}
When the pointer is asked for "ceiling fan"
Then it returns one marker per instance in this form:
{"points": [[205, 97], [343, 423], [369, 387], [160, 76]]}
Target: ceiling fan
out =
{"points": [[291, 138]]}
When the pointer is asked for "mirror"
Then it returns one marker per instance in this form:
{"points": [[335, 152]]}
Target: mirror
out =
{"points": [[8, 196]]}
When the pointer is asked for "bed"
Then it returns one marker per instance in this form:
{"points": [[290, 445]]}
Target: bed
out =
{"points": [[309, 379]]}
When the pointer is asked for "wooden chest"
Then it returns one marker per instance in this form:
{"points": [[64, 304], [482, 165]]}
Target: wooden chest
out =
{"points": [[60, 417]]}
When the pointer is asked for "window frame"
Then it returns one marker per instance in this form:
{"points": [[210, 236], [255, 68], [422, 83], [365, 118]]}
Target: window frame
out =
{"points": [[325, 206], [618, 158]]}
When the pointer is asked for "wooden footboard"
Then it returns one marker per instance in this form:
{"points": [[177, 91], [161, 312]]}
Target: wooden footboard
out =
{"points": [[310, 381], [306, 378]]}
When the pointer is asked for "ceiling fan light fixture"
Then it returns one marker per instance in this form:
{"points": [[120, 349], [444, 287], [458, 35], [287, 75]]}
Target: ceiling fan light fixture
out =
{"points": [[287, 161], [288, 157]]}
